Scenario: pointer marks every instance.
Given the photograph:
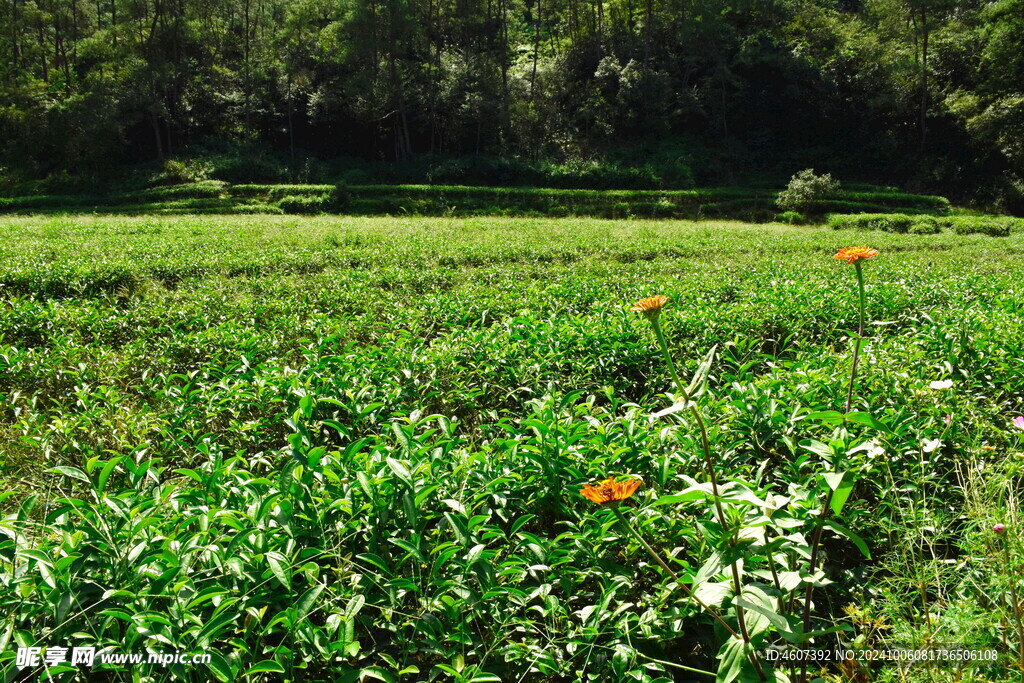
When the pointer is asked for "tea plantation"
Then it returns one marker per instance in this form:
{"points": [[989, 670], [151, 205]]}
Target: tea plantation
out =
{"points": [[347, 449]]}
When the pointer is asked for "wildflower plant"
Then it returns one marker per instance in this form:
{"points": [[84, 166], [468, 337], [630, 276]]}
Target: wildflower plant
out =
{"points": [[854, 256], [757, 583]]}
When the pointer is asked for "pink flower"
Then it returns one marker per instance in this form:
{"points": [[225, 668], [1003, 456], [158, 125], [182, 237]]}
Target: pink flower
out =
{"points": [[999, 528], [1018, 422], [948, 418]]}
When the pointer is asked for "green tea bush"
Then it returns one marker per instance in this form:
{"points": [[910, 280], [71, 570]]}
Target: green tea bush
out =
{"points": [[901, 200], [992, 226], [356, 449], [925, 225], [339, 197], [887, 222], [206, 189], [827, 206], [276, 192], [178, 171], [806, 187], [304, 204], [791, 218], [598, 175]]}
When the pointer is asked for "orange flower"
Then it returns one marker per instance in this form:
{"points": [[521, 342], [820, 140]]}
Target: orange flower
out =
{"points": [[610, 491], [854, 254], [651, 306]]}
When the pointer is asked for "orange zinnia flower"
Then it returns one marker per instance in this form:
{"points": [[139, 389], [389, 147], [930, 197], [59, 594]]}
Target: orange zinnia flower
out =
{"points": [[854, 254], [610, 491], [651, 306]]}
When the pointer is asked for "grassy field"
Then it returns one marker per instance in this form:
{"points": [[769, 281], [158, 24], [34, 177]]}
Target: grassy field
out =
{"points": [[352, 448]]}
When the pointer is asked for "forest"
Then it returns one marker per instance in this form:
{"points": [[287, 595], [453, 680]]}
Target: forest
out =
{"points": [[643, 94]]}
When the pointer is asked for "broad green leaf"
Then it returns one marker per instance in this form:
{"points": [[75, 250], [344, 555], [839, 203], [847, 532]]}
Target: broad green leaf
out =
{"points": [[266, 666], [220, 667], [72, 472], [868, 420], [854, 538], [281, 568], [731, 657], [699, 382], [377, 673], [305, 603]]}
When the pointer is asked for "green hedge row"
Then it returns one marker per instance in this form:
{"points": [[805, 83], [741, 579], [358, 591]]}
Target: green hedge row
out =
{"points": [[751, 204], [994, 226]]}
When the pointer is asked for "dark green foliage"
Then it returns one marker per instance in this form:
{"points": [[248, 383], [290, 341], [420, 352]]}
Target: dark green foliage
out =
{"points": [[994, 226], [894, 199], [920, 94]]}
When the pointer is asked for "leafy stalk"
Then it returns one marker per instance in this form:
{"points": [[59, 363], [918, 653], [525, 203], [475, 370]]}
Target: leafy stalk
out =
{"points": [[860, 333], [709, 464]]}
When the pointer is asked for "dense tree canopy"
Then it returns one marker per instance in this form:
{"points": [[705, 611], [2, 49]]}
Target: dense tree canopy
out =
{"points": [[920, 91]]}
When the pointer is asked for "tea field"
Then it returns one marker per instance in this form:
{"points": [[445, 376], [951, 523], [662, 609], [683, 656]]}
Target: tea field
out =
{"points": [[349, 449]]}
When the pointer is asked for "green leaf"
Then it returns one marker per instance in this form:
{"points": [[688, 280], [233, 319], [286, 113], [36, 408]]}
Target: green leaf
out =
{"points": [[674, 408], [787, 626], [212, 628], [409, 548], [281, 568], [731, 656], [376, 561], [354, 605], [832, 417], [699, 382], [400, 470], [377, 673], [266, 666], [868, 420], [699, 492], [842, 493], [854, 538], [101, 480], [305, 603], [72, 472], [220, 667]]}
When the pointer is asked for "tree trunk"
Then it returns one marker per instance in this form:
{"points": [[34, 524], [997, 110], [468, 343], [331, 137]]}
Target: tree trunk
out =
{"points": [[536, 49], [924, 79]]}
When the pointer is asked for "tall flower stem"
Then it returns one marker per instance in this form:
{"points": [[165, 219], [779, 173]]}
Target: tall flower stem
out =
{"points": [[755, 662], [1016, 602], [860, 333], [657, 558], [668, 356], [709, 464]]}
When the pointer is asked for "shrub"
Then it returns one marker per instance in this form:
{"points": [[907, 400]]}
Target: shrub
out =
{"points": [[901, 200], [925, 225], [303, 204], [339, 197], [887, 222], [791, 217], [283, 191], [806, 187], [598, 175], [992, 226], [179, 171]]}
